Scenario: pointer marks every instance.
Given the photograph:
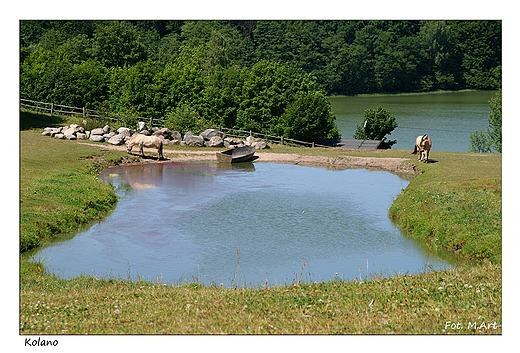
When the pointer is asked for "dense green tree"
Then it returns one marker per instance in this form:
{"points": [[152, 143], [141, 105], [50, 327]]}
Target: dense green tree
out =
{"points": [[309, 118], [118, 43], [268, 89], [377, 124], [481, 45]]}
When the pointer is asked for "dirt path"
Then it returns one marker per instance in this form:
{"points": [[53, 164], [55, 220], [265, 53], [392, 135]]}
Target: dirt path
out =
{"points": [[395, 165]]}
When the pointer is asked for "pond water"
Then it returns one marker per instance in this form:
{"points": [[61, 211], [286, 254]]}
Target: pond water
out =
{"points": [[448, 118], [249, 224]]}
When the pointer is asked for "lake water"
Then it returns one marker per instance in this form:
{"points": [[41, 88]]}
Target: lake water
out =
{"points": [[274, 223], [448, 118]]}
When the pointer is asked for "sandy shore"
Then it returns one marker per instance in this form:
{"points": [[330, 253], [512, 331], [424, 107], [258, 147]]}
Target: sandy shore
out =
{"points": [[395, 165]]}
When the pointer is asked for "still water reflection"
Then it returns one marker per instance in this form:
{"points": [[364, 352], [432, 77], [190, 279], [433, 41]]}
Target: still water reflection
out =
{"points": [[178, 222]]}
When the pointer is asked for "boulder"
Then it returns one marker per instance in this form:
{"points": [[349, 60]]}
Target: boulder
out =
{"points": [[145, 133], [70, 137], [187, 135], [176, 136], [209, 133], [215, 141], [97, 131], [106, 129], [97, 138], [228, 141], [260, 145], [164, 132], [124, 131], [81, 136], [117, 140], [194, 140], [59, 136], [70, 131], [46, 133], [141, 126]]}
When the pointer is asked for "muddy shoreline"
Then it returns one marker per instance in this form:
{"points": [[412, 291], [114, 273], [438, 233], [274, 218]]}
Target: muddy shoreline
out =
{"points": [[394, 165]]}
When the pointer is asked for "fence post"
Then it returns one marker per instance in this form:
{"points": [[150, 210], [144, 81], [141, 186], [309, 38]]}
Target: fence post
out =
{"points": [[84, 115], [52, 108], [151, 119], [281, 140], [313, 144]]}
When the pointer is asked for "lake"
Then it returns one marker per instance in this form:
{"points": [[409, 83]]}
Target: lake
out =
{"points": [[250, 224], [448, 118]]}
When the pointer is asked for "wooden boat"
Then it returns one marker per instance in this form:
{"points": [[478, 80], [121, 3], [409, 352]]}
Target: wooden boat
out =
{"points": [[236, 155]]}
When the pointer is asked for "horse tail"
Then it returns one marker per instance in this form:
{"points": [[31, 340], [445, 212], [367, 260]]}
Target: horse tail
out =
{"points": [[415, 150]]}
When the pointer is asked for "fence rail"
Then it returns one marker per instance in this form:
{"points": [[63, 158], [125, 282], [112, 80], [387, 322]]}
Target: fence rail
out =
{"points": [[276, 139], [86, 113], [83, 111]]}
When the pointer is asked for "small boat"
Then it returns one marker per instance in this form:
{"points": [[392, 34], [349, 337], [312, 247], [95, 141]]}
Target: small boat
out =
{"points": [[236, 155]]}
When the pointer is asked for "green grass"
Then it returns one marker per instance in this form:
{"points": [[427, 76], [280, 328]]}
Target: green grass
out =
{"points": [[455, 204], [420, 304]]}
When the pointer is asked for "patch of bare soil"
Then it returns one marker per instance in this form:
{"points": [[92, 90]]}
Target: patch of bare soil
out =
{"points": [[394, 165]]}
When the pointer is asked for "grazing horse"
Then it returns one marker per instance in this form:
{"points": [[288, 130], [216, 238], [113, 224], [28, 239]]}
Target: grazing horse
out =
{"points": [[423, 144], [146, 141]]}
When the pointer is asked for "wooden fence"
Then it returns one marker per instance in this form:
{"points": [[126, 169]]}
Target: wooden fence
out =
{"points": [[86, 113], [276, 139]]}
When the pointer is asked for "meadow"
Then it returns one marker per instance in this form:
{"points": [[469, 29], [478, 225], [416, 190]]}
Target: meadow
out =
{"points": [[453, 203]]}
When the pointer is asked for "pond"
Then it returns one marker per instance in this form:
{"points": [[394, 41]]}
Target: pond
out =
{"points": [[250, 224], [448, 118]]}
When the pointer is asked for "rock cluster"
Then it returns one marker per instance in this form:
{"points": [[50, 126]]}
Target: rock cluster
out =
{"points": [[209, 138]]}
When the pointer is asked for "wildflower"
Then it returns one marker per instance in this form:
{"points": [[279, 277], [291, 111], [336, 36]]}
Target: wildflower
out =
{"points": [[117, 311]]}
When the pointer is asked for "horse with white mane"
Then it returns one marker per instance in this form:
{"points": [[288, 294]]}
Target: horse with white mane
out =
{"points": [[423, 144], [146, 141]]}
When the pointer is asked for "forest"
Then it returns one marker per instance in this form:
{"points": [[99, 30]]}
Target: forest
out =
{"points": [[268, 76]]}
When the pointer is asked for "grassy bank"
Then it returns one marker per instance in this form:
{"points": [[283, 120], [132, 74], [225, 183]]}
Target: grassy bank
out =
{"points": [[58, 190], [456, 204]]}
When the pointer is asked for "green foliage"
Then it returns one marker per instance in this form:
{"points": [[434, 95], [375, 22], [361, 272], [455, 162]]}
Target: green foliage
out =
{"points": [[247, 74], [482, 142], [118, 43], [495, 122], [184, 118], [346, 57], [376, 125], [309, 118]]}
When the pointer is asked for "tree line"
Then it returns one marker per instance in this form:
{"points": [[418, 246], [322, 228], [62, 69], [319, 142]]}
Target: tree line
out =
{"points": [[269, 76]]}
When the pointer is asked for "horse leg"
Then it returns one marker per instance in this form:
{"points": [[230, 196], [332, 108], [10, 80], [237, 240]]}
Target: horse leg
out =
{"points": [[427, 156], [160, 151], [141, 150]]}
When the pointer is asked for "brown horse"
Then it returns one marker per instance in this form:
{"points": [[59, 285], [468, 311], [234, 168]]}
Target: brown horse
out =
{"points": [[423, 144], [146, 141]]}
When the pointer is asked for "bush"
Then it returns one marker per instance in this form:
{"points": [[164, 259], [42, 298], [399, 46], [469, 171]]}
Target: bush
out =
{"points": [[184, 119], [309, 118], [377, 124]]}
